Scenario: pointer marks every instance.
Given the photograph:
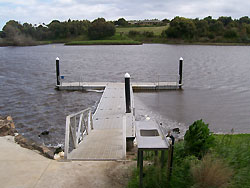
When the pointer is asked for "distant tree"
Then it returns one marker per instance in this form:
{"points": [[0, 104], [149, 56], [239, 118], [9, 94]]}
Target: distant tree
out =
{"points": [[209, 19], [217, 28], [121, 22], [57, 29], [11, 29], [42, 33], [2, 35], [225, 20], [28, 30], [201, 27], [181, 28], [99, 29], [247, 28], [232, 33], [244, 19], [16, 34], [165, 21]]}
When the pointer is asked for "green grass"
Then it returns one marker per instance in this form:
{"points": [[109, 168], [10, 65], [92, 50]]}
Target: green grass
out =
{"points": [[232, 150], [104, 42], [235, 150], [157, 30]]}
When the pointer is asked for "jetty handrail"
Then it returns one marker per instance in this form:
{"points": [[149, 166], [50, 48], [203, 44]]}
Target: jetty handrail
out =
{"points": [[175, 78], [132, 108], [66, 78], [132, 100], [78, 125]]}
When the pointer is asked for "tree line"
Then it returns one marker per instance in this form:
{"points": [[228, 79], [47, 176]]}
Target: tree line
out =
{"points": [[223, 29], [17, 34]]}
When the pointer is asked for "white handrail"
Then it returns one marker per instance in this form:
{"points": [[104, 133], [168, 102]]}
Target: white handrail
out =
{"points": [[174, 78], [76, 131]]}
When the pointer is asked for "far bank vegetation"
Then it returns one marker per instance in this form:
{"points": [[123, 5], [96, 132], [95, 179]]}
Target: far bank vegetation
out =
{"points": [[178, 30]]}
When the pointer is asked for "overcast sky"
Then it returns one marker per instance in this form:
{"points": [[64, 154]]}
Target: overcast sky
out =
{"points": [[44, 11]]}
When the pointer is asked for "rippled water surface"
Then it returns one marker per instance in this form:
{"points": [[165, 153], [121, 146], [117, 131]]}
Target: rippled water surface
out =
{"points": [[216, 84]]}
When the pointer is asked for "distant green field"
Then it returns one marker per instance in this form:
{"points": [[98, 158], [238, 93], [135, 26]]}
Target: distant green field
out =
{"points": [[156, 30], [104, 42]]}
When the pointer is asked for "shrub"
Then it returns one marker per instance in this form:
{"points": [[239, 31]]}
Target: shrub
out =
{"points": [[230, 34], [133, 33], [210, 172], [198, 139], [148, 33]]}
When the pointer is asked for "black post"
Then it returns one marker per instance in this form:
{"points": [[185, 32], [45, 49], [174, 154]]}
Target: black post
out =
{"points": [[138, 158], [180, 71], [172, 154], [156, 158], [141, 168], [162, 158], [170, 157], [127, 93], [57, 72]]}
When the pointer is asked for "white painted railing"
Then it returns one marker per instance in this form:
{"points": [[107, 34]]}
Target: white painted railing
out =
{"points": [[161, 78], [71, 79], [78, 126], [132, 109]]}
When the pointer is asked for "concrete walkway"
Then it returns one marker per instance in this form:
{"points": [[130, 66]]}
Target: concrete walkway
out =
{"points": [[23, 168]]}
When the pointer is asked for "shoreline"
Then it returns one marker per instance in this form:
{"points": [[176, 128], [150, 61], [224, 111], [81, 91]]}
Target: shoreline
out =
{"points": [[127, 42], [104, 42], [7, 128]]}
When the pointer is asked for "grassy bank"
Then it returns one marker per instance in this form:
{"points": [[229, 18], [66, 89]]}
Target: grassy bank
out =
{"points": [[228, 159], [104, 42], [157, 30]]}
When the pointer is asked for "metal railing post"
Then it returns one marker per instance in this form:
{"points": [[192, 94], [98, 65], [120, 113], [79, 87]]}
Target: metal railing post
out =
{"points": [[85, 124], [91, 118], [66, 146]]}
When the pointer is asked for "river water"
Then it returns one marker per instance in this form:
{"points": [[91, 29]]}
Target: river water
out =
{"points": [[216, 84]]}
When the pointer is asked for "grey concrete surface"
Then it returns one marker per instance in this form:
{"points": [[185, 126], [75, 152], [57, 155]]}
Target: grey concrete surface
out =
{"points": [[23, 168]]}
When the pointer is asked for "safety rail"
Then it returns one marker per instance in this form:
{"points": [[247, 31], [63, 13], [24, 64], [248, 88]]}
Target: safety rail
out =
{"points": [[132, 109], [161, 78], [78, 126], [69, 79]]}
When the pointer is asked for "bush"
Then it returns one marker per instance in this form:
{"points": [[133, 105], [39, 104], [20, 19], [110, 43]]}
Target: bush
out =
{"points": [[210, 172], [198, 139], [148, 33], [133, 33], [230, 34]]}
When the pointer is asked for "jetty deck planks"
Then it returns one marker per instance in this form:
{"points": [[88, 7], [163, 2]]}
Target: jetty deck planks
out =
{"points": [[107, 141], [102, 85]]}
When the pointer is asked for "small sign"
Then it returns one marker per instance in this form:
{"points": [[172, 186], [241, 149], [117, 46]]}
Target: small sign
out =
{"points": [[62, 77]]}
